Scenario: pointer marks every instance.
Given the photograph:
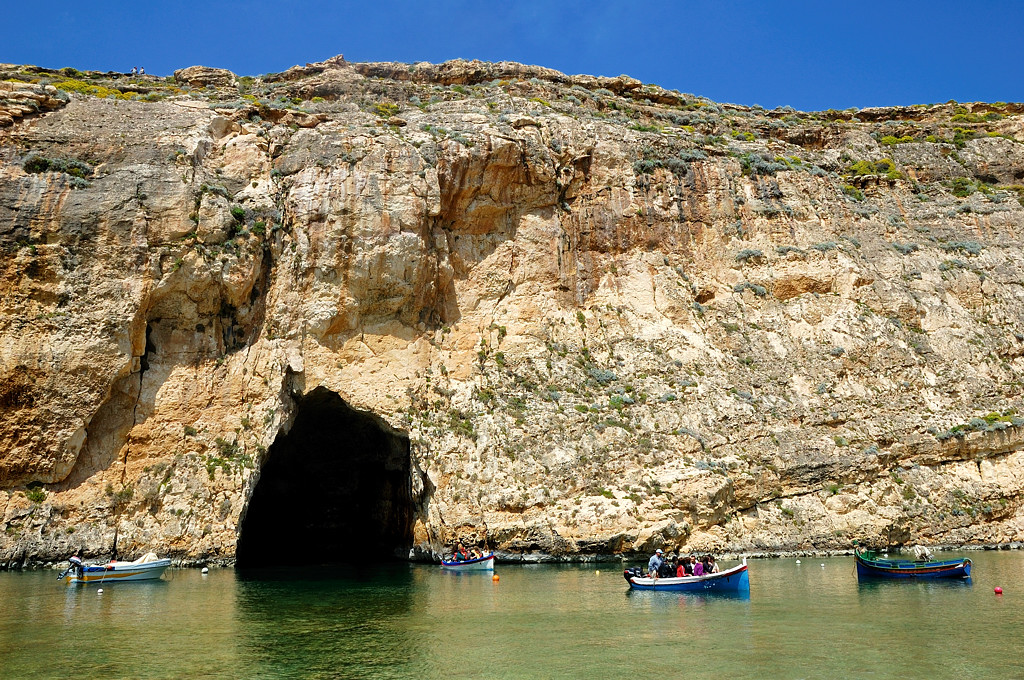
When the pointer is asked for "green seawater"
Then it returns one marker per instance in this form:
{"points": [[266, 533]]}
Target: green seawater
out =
{"points": [[417, 621]]}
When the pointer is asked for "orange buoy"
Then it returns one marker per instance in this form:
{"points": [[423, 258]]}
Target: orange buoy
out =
{"points": [[998, 591], [495, 578]]}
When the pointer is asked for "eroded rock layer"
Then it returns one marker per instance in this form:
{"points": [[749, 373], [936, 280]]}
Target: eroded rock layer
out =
{"points": [[564, 315]]}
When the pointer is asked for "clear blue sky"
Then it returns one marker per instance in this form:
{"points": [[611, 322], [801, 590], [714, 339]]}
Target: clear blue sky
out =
{"points": [[811, 54]]}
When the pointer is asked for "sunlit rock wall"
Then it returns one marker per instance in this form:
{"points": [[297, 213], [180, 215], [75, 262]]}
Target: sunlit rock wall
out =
{"points": [[607, 316]]}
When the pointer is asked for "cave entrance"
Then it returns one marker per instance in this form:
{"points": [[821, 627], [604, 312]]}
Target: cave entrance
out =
{"points": [[336, 488]]}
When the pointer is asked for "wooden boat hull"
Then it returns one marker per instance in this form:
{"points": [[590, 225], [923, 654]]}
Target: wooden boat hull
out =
{"points": [[735, 580], [116, 572], [485, 563], [868, 568]]}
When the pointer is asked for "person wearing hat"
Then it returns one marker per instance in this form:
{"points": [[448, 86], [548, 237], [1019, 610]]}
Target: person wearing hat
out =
{"points": [[654, 564]]}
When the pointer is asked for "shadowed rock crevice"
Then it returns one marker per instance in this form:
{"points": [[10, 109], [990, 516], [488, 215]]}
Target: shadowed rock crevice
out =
{"points": [[335, 488]]}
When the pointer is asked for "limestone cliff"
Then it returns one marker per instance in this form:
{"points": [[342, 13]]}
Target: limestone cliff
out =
{"points": [[567, 315]]}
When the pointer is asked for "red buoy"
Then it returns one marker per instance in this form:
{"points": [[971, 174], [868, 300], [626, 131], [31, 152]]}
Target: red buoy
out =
{"points": [[999, 591]]}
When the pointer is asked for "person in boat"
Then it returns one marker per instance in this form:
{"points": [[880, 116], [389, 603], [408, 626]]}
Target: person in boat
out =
{"points": [[698, 568], [474, 553], [666, 570], [681, 566], [460, 554], [712, 564], [654, 564]]}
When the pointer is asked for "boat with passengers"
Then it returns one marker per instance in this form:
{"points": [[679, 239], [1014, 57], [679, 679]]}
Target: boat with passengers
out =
{"points": [[481, 563], [734, 580]]}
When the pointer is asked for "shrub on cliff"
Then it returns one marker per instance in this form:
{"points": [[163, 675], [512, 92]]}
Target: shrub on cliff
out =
{"points": [[853, 192], [690, 155], [756, 164], [883, 166], [749, 254], [37, 164], [759, 291], [963, 187], [35, 492], [890, 140], [385, 109], [602, 375], [965, 247], [962, 135]]}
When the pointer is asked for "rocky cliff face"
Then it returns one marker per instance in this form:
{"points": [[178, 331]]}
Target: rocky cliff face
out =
{"points": [[404, 304]]}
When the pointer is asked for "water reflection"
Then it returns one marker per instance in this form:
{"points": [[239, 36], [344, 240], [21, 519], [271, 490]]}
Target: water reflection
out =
{"points": [[326, 621], [398, 621]]}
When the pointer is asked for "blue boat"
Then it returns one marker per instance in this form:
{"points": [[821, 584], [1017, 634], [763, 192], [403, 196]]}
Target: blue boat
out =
{"points": [[482, 563], [735, 580], [869, 565]]}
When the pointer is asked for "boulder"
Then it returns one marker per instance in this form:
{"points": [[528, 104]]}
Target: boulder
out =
{"points": [[204, 76]]}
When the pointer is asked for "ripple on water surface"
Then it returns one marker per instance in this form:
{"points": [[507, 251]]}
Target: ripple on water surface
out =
{"points": [[401, 621]]}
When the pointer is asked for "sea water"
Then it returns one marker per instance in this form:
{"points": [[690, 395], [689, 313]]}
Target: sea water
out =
{"points": [[418, 621]]}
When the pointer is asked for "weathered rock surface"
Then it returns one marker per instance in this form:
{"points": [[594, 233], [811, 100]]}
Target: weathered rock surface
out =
{"points": [[204, 76], [18, 100], [604, 316]]}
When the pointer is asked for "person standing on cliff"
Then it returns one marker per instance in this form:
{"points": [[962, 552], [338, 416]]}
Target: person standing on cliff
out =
{"points": [[654, 564]]}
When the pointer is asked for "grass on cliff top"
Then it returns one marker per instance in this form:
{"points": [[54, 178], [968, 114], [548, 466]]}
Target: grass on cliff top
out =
{"points": [[82, 87], [150, 91]]}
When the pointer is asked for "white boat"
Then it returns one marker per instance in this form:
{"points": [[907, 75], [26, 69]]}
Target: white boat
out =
{"points": [[483, 563], [146, 568]]}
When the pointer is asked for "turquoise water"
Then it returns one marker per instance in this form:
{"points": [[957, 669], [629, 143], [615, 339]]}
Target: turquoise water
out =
{"points": [[402, 621]]}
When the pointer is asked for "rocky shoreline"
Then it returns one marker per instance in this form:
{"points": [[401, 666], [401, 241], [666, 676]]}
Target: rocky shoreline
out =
{"points": [[514, 558]]}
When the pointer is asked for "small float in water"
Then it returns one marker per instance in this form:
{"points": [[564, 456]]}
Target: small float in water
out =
{"points": [[482, 563], [735, 580], [146, 568], [869, 566]]}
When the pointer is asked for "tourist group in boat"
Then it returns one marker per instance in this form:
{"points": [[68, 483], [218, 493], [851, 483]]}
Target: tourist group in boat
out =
{"points": [[473, 559], [461, 554], [662, 566], [687, 573]]}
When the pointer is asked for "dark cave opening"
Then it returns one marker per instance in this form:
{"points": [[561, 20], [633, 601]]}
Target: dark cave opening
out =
{"points": [[336, 488]]}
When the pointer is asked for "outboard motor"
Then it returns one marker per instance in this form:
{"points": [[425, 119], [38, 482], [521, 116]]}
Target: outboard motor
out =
{"points": [[630, 573], [76, 567]]}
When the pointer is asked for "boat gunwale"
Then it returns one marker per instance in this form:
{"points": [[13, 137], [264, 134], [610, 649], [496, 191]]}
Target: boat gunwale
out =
{"points": [[475, 560], [115, 566], [115, 570], [648, 582]]}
